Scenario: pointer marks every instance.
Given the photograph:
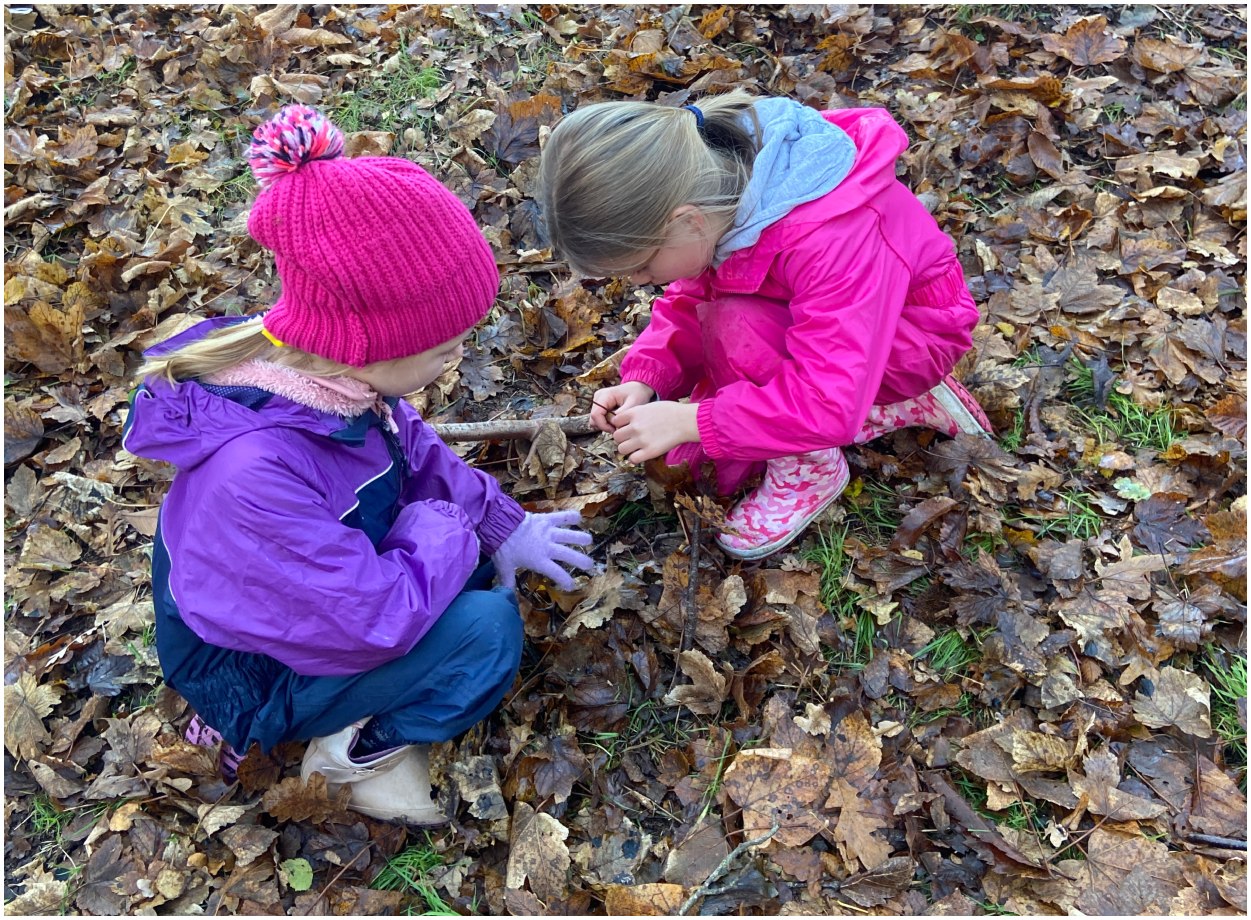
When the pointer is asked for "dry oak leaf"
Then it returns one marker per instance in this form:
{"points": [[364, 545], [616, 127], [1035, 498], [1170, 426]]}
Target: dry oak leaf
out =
{"points": [[779, 786], [707, 690], [294, 800], [1099, 786], [1088, 41], [26, 705], [537, 853], [656, 899], [1181, 700]]}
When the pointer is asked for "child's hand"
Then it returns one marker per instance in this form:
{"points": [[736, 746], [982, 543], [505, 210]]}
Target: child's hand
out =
{"points": [[651, 430], [541, 543], [611, 400]]}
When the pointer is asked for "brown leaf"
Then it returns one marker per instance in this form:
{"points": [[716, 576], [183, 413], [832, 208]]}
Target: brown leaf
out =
{"points": [[858, 826], [247, 841], [707, 690], [1228, 416], [103, 890], [1219, 806], [23, 430], [1099, 786], [1088, 41], [1126, 875], [26, 705], [293, 800], [648, 900], [1180, 699], [49, 550], [779, 786], [537, 853], [1033, 751], [877, 886], [854, 751], [917, 520], [1167, 54], [1164, 527], [514, 135]]}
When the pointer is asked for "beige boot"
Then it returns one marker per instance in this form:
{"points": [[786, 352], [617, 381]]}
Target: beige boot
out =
{"points": [[393, 785]]}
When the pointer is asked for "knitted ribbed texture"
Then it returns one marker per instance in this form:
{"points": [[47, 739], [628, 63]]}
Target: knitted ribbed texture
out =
{"points": [[377, 259]]}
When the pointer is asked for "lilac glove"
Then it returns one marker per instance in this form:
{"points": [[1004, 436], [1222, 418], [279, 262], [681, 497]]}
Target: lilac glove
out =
{"points": [[538, 544]]}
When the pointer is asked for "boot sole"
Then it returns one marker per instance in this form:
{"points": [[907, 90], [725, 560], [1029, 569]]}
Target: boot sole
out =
{"points": [[954, 406], [768, 549], [433, 819]]}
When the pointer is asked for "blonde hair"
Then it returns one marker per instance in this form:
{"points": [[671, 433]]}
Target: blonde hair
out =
{"points": [[612, 173], [224, 348]]}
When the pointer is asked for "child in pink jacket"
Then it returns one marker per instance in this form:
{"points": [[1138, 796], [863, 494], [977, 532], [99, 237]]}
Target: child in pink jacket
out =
{"points": [[811, 303]]}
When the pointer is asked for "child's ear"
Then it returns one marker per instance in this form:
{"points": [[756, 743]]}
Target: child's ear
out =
{"points": [[690, 219]]}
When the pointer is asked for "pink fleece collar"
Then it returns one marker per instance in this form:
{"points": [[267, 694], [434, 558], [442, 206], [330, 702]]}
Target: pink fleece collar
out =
{"points": [[345, 397]]}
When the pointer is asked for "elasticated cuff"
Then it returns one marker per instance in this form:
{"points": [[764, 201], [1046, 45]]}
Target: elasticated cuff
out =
{"points": [[502, 518]]}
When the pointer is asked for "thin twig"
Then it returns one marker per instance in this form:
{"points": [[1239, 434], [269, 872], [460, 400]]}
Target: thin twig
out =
{"points": [[503, 429], [692, 584], [1225, 843], [330, 884], [706, 887]]}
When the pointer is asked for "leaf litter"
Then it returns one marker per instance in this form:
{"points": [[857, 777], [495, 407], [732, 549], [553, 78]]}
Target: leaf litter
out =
{"points": [[996, 679]]}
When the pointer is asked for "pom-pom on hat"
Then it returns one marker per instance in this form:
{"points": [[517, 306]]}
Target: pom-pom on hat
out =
{"points": [[377, 259]]}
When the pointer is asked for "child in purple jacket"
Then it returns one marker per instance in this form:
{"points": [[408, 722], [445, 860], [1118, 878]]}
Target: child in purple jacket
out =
{"points": [[811, 302], [316, 567]]}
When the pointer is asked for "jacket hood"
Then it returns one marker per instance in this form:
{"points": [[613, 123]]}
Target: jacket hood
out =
{"points": [[184, 423], [802, 157]]}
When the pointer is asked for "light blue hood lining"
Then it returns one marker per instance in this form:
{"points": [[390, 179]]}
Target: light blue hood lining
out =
{"points": [[802, 157]]}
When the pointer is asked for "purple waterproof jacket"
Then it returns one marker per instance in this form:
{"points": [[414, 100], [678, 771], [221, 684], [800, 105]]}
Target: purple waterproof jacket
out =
{"points": [[331, 545]]}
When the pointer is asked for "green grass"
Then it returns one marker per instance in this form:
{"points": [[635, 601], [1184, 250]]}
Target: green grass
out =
{"points": [[950, 653], [1012, 439], [388, 102], [47, 819], [835, 565], [876, 506], [1079, 518], [1123, 421], [1228, 678], [859, 625], [408, 872]]}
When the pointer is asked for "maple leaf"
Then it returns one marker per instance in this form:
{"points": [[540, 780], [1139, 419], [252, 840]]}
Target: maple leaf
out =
{"points": [[26, 705], [1087, 42], [1179, 699], [778, 786], [537, 853], [707, 690], [1099, 786], [294, 800]]}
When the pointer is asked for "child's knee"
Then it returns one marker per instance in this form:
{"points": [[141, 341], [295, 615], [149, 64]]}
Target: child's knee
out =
{"points": [[489, 623]]}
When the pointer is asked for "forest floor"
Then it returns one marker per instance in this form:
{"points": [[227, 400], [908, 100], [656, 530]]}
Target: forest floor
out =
{"points": [[1000, 677]]}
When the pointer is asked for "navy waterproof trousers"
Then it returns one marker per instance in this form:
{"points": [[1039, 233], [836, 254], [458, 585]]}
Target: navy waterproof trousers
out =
{"points": [[451, 680]]}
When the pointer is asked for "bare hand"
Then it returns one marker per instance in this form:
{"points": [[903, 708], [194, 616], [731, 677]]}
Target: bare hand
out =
{"points": [[611, 400], [652, 430]]}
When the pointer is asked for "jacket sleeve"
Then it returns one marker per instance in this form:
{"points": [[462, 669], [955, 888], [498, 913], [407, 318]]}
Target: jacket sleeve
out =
{"points": [[845, 303], [437, 473], [668, 355], [269, 568]]}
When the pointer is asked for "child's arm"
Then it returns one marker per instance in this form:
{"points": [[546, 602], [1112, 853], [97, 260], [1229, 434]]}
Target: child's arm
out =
{"points": [[437, 473], [846, 302], [668, 355], [269, 568]]}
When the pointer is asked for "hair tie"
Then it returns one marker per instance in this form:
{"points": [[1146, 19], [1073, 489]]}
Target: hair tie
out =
{"points": [[699, 116], [293, 137], [273, 339]]}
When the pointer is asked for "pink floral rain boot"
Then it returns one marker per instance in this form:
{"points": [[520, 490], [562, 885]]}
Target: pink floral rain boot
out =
{"points": [[795, 490], [202, 734], [948, 408]]}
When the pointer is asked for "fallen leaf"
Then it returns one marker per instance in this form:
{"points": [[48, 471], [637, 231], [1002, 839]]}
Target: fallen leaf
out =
{"points": [[1180, 699]]}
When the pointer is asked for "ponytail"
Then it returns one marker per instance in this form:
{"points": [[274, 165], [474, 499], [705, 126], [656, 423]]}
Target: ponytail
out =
{"points": [[223, 348]]}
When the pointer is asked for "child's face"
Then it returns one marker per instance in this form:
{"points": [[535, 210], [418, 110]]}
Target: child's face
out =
{"points": [[688, 250], [401, 376]]}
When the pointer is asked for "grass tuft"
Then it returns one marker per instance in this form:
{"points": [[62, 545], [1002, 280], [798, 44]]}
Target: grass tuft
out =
{"points": [[409, 871]]}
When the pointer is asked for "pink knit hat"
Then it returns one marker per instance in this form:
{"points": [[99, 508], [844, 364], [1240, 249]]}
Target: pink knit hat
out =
{"points": [[377, 259]]}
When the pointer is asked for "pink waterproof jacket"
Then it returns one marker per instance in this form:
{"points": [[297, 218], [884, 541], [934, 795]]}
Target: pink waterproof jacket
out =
{"points": [[878, 312]]}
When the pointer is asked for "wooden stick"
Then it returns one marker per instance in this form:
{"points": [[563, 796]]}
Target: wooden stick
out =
{"points": [[706, 887], [505, 429], [1224, 843], [689, 598]]}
